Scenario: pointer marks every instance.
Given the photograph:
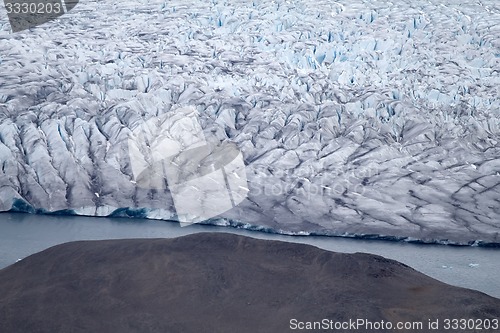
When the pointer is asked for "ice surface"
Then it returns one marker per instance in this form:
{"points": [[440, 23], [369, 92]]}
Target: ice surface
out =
{"points": [[354, 117]]}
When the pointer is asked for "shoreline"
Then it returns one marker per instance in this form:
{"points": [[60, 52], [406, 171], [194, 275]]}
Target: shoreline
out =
{"points": [[224, 222], [470, 267]]}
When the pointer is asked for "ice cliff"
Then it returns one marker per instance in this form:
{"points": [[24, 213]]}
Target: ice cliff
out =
{"points": [[353, 117]]}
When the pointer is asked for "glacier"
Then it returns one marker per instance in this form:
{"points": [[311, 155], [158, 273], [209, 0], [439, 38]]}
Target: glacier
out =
{"points": [[355, 118]]}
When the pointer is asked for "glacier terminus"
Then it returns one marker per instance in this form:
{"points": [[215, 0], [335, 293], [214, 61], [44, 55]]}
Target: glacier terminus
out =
{"points": [[349, 118]]}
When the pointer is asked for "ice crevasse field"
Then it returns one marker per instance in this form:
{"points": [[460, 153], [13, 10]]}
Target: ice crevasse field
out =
{"points": [[358, 118]]}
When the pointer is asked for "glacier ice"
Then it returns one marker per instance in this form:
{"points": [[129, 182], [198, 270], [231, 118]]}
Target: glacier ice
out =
{"points": [[171, 152], [353, 117]]}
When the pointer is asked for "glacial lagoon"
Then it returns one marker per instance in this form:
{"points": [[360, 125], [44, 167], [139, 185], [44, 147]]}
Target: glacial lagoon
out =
{"points": [[466, 266]]}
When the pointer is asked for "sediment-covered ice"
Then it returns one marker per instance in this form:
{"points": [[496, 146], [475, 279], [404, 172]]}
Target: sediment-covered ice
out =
{"points": [[353, 117]]}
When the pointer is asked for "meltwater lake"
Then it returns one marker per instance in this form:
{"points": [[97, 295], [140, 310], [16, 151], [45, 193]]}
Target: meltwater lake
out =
{"points": [[471, 267]]}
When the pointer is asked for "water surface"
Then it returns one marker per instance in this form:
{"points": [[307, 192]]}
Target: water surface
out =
{"points": [[23, 234]]}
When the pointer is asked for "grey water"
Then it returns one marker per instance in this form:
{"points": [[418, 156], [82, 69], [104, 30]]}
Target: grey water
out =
{"points": [[471, 267]]}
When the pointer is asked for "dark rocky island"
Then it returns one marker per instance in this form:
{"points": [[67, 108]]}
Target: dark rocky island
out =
{"points": [[220, 283]]}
